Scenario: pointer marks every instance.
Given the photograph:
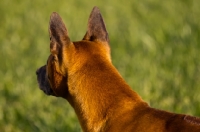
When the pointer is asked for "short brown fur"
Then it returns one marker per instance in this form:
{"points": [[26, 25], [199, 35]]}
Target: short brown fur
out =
{"points": [[82, 73]]}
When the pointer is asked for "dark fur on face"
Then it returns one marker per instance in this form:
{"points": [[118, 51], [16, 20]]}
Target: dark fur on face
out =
{"points": [[43, 81]]}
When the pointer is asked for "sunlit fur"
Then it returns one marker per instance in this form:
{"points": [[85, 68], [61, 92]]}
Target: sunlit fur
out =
{"points": [[82, 73]]}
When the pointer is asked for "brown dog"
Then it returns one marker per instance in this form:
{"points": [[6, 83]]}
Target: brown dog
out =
{"points": [[82, 73]]}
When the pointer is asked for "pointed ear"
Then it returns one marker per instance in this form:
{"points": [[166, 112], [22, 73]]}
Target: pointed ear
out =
{"points": [[96, 30], [58, 34]]}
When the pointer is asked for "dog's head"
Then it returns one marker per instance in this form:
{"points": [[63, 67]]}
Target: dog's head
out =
{"points": [[68, 57]]}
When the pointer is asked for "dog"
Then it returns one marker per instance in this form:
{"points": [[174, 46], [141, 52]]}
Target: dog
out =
{"points": [[82, 73]]}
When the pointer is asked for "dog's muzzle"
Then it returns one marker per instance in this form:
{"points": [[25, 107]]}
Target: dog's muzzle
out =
{"points": [[43, 81]]}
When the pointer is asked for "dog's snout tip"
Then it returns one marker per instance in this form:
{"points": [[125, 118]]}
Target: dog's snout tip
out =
{"points": [[37, 72]]}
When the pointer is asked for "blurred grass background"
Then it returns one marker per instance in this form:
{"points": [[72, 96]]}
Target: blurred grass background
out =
{"points": [[155, 46]]}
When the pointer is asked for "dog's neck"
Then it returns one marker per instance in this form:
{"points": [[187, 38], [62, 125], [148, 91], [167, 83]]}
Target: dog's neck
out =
{"points": [[103, 82]]}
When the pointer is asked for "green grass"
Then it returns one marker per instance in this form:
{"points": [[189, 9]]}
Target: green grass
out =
{"points": [[155, 46]]}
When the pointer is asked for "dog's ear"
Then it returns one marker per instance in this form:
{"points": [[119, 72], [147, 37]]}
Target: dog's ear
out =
{"points": [[58, 34], [96, 30]]}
